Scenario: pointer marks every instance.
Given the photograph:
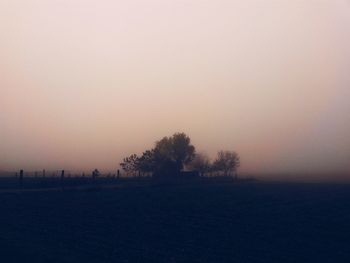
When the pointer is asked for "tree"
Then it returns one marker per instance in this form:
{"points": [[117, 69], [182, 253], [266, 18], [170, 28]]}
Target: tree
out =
{"points": [[171, 154], [147, 163], [183, 151], [200, 163], [130, 164], [168, 157], [227, 162]]}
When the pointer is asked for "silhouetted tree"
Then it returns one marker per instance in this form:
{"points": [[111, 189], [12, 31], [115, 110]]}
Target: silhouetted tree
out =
{"points": [[200, 163], [167, 158], [147, 162], [226, 162], [172, 153], [130, 164]]}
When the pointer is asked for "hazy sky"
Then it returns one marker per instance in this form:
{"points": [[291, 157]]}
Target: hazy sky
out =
{"points": [[85, 82]]}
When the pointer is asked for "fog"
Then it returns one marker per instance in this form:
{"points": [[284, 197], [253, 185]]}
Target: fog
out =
{"points": [[85, 83]]}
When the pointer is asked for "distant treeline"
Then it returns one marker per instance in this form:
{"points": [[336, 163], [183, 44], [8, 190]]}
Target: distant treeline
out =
{"points": [[171, 157], [174, 155]]}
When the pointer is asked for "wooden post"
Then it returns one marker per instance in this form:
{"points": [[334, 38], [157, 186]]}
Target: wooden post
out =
{"points": [[62, 179], [21, 173]]}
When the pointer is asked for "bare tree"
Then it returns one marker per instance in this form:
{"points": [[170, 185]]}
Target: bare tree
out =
{"points": [[130, 164], [227, 162], [200, 163]]}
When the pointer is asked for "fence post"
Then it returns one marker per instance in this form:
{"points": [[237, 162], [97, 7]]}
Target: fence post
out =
{"points": [[62, 179], [21, 172]]}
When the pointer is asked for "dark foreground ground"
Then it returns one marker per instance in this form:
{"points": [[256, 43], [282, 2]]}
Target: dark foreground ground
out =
{"points": [[207, 221]]}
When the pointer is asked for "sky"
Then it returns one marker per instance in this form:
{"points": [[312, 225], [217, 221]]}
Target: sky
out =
{"points": [[84, 83]]}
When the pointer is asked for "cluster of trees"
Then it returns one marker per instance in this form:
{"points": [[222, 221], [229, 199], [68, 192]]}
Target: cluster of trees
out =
{"points": [[172, 155], [226, 163]]}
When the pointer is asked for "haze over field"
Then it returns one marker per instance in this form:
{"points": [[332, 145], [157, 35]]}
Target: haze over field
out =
{"points": [[84, 83]]}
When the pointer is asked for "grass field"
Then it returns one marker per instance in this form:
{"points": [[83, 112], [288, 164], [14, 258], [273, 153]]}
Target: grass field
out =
{"points": [[204, 221]]}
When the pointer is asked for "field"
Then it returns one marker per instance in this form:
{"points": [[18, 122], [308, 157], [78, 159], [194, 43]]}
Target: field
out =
{"points": [[196, 221]]}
